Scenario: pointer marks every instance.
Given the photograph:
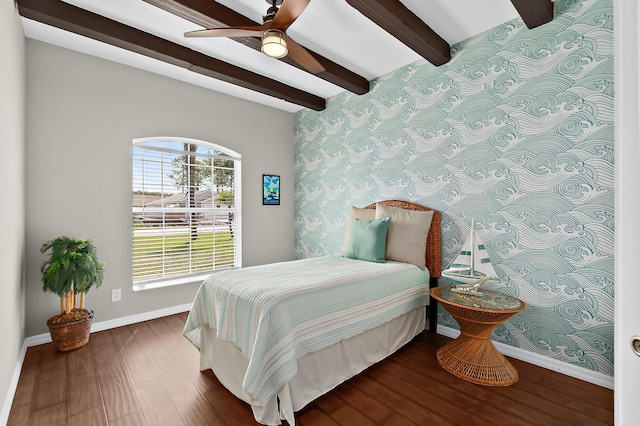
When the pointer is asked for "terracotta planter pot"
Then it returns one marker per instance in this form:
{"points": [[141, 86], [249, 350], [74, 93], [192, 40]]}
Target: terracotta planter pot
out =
{"points": [[70, 332]]}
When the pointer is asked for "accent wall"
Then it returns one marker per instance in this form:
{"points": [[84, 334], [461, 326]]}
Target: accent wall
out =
{"points": [[515, 132]]}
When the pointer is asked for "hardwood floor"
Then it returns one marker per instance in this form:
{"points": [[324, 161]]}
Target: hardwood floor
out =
{"points": [[147, 374]]}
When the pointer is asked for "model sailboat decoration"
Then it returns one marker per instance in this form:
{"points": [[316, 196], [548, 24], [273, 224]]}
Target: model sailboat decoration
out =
{"points": [[471, 267]]}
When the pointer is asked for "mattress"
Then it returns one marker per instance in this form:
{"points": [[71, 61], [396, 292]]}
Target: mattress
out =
{"points": [[280, 335], [278, 313]]}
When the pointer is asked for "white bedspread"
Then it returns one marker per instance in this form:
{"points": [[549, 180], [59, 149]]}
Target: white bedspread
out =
{"points": [[279, 312]]}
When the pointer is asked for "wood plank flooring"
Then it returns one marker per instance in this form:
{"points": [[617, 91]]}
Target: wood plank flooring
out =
{"points": [[147, 374]]}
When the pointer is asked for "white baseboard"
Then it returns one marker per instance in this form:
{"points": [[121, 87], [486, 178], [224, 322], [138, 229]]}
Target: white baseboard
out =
{"points": [[543, 361], [117, 322], [13, 385]]}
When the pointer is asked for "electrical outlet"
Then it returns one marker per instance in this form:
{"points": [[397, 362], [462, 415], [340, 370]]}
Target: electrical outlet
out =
{"points": [[116, 295]]}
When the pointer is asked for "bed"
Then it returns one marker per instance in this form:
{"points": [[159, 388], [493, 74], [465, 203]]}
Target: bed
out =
{"points": [[279, 336]]}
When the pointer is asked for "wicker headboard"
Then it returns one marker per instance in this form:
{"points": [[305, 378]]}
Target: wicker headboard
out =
{"points": [[433, 256]]}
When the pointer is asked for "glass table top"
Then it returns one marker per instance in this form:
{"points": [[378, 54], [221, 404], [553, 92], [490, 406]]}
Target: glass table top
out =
{"points": [[488, 300]]}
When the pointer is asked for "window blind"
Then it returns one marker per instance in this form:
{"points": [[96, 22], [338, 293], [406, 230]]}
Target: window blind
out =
{"points": [[184, 209]]}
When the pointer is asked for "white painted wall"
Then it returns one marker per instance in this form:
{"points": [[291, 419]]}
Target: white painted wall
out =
{"points": [[12, 182], [82, 113]]}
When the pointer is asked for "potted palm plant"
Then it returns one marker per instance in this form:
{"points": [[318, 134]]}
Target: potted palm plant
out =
{"points": [[70, 271]]}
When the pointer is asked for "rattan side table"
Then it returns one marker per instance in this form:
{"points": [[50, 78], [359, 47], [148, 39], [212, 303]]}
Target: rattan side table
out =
{"points": [[472, 356]]}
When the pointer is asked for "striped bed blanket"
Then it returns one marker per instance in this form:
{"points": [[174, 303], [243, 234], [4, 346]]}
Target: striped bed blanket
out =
{"points": [[279, 312]]}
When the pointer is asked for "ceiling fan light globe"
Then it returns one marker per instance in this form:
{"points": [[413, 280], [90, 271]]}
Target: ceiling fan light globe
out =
{"points": [[274, 44]]}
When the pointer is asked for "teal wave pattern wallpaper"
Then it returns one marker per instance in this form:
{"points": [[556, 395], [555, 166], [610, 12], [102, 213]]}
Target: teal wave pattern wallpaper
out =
{"points": [[515, 131]]}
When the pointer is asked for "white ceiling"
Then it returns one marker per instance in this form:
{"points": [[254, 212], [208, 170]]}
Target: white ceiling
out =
{"points": [[331, 28]]}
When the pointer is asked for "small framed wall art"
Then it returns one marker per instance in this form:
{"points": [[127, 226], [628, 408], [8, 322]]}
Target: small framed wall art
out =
{"points": [[271, 190]]}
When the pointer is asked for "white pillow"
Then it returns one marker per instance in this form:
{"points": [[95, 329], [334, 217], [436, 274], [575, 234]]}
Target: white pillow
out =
{"points": [[359, 213], [407, 234]]}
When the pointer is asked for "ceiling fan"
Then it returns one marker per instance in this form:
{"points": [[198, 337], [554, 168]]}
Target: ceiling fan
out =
{"points": [[275, 42]]}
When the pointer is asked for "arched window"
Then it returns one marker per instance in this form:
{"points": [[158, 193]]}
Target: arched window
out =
{"points": [[186, 210]]}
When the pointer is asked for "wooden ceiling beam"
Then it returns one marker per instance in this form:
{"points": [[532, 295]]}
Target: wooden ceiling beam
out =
{"points": [[400, 22], [71, 18], [211, 14], [534, 12]]}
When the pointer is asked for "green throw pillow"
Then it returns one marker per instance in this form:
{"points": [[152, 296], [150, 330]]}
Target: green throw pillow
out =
{"points": [[368, 239]]}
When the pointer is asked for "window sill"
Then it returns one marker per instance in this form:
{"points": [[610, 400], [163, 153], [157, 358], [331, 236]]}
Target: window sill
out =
{"points": [[191, 279]]}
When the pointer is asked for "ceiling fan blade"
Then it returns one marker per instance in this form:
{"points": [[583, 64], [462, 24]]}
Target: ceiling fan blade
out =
{"points": [[289, 12], [240, 31], [303, 57]]}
